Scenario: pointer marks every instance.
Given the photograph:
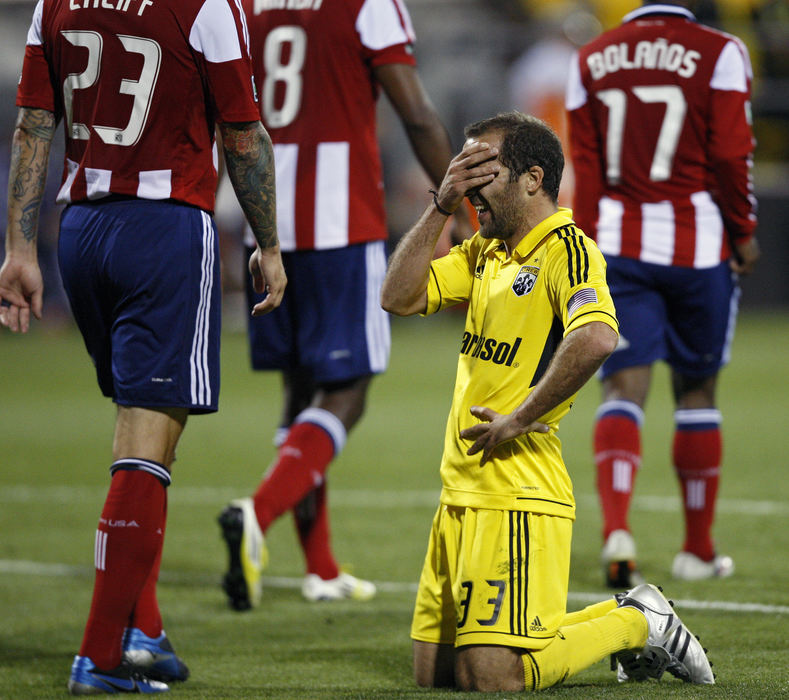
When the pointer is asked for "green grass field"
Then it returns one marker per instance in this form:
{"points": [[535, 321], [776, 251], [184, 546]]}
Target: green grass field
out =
{"points": [[55, 435]]}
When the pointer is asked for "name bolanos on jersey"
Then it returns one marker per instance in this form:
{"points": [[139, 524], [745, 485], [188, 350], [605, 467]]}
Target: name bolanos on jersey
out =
{"points": [[658, 54]]}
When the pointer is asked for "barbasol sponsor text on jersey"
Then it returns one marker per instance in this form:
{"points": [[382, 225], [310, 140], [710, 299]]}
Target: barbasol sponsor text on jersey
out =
{"points": [[490, 349]]}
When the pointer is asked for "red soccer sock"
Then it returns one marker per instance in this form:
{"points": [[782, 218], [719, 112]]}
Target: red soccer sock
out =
{"points": [[312, 524], [147, 616], [312, 442], [128, 541], [697, 455], [617, 450]]}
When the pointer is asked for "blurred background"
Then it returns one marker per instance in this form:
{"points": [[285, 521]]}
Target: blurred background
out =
{"points": [[476, 58]]}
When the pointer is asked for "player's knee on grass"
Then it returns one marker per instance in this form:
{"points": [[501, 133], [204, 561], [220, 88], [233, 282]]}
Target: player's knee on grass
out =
{"points": [[434, 665], [489, 669]]}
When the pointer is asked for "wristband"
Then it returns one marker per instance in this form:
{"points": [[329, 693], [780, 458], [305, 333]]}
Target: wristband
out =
{"points": [[441, 209]]}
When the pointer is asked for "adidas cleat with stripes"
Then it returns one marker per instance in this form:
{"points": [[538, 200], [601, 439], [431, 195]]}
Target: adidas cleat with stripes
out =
{"points": [[86, 679], [153, 656], [670, 646], [247, 551]]}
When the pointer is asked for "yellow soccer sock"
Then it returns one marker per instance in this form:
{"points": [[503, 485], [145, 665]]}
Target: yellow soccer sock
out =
{"points": [[590, 612], [578, 646]]}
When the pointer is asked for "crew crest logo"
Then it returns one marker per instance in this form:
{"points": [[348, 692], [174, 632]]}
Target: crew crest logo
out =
{"points": [[525, 280]]}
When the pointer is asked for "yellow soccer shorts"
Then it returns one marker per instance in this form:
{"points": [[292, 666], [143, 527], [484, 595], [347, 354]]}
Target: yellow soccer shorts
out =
{"points": [[493, 577]]}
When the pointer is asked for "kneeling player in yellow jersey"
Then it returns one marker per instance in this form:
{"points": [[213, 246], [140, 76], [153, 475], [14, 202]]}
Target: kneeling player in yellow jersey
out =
{"points": [[491, 607]]}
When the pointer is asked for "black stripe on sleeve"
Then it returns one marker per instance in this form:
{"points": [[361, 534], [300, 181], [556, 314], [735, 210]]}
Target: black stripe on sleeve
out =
{"points": [[438, 287], [563, 236], [577, 255], [595, 311], [582, 273], [577, 250]]}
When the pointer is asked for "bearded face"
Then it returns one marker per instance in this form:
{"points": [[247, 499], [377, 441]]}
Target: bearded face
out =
{"points": [[498, 211]]}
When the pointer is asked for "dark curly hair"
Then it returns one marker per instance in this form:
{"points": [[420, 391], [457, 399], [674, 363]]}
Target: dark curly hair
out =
{"points": [[526, 142]]}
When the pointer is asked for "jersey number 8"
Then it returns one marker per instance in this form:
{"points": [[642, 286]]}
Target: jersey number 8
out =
{"points": [[288, 73]]}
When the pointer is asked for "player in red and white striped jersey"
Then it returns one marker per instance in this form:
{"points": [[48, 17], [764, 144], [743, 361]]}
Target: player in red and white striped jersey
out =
{"points": [[662, 144], [320, 66], [141, 86]]}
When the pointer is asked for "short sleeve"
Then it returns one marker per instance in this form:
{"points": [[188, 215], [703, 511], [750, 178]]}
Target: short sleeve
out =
{"points": [[386, 32], [577, 284], [35, 88], [451, 277], [219, 33]]}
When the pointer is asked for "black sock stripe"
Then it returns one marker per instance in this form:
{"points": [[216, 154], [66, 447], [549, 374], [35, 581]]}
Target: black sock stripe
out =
{"points": [[144, 465], [535, 670]]}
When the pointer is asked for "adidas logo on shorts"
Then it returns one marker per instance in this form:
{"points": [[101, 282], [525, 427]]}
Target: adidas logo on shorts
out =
{"points": [[536, 625]]}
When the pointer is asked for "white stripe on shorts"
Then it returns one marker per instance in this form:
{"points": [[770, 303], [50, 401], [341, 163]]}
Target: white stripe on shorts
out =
{"points": [[379, 339], [198, 360]]}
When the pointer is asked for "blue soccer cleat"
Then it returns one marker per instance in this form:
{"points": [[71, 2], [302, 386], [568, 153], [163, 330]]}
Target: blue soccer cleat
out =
{"points": [[153, 656], [86, 679]]}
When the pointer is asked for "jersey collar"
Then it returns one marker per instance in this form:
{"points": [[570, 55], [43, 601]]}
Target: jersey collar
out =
{"points": [[648, 10], [563, 217]]}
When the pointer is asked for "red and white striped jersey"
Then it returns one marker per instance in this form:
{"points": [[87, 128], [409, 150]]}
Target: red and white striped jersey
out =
{"points": [[661, 139], [313, 62], [139, 85]]}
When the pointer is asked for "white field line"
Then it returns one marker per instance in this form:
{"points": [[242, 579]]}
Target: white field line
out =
{"points": [[360, 498], [33, 568]]}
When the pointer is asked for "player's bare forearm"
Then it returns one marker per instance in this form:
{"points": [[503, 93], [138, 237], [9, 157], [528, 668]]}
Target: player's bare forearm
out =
{"points": [[249, 159], [428, 137], [405, 285], [577, 358], [35, 129], [431, 145], [404, 290]]}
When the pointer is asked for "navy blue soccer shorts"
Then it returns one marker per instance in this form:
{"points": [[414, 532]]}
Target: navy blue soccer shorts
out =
{"points": [[330, 322], [681, 315], [143, 281]]}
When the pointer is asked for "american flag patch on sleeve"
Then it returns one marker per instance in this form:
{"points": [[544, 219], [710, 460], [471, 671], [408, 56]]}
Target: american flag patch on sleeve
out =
{"points": [[581, 297]]}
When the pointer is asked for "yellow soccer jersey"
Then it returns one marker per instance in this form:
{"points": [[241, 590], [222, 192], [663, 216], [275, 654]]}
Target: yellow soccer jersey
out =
{"points": [[520, 308]]}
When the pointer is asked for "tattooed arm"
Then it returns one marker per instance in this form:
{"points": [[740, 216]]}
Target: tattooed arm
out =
{"points": [[249, 159], [21, 284]]}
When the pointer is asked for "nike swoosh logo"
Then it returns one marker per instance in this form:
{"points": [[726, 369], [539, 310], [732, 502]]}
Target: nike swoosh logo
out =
{"points": [[126, 684]]}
